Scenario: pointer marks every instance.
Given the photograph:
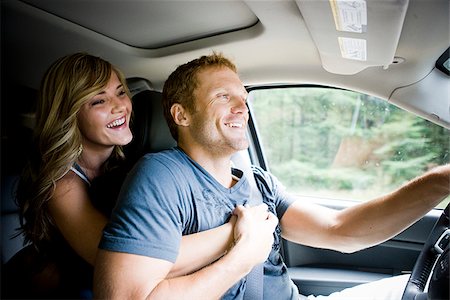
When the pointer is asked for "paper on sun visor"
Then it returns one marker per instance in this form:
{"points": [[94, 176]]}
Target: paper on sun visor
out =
{"points": [[350, 15], [353, 48]]}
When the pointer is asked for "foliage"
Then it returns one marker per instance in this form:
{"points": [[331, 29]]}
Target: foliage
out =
{"points": [[324, 141]]}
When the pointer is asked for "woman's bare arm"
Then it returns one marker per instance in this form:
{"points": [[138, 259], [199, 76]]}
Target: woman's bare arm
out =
{"points": [[200, 249], [82, 224]]}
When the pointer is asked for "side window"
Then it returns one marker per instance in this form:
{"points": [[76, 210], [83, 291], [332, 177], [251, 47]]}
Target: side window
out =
{"points": [[331, 143]]}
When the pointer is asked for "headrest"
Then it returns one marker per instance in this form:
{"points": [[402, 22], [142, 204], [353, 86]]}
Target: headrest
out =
{"points": [[150, 130]]}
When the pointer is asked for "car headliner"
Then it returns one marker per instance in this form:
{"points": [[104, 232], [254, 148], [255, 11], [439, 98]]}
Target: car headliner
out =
{"points": [[272, 42]]}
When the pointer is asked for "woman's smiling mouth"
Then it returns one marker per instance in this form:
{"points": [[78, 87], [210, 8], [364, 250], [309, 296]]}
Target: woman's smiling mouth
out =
{"points": [[117, 122]]}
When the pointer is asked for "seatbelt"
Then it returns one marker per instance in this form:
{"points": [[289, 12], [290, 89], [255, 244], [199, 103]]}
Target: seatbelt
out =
{"points": [[254, 280]]}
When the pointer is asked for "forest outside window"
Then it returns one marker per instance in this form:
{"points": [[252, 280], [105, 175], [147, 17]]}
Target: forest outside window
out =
{"points": [[332, 143]]}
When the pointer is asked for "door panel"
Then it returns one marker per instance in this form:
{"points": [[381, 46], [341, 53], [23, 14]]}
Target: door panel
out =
{"points": [[321, 271]]}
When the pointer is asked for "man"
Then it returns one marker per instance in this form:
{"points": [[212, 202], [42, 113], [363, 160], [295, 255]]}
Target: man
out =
{"points": [[190, 188]]}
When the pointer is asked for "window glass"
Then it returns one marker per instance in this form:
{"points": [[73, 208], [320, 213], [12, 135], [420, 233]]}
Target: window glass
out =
{"points": [[332, 143]]}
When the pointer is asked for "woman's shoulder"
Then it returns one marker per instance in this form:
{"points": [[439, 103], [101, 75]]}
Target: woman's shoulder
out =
{"points": [[72, 176], [69, 178], [70, 182]]}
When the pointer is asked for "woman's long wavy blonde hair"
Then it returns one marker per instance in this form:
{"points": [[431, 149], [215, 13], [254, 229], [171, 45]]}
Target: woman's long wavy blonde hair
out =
{"points": [[66, 86]]}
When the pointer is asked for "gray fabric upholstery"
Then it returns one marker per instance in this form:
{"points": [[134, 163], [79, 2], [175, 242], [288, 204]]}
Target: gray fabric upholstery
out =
{"points": [[150, 130]]}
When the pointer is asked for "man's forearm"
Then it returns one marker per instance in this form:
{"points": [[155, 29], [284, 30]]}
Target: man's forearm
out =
{"points": [[375, 221]]}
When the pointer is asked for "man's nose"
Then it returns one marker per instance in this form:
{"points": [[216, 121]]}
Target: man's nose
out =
{"points": [[239, 105]]}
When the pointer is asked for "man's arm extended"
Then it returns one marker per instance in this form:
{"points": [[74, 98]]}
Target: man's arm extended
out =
{"points": [[367, 223], [128, 276]]}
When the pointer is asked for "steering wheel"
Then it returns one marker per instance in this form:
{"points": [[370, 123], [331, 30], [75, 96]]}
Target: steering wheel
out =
{"points": [[434, 257]]}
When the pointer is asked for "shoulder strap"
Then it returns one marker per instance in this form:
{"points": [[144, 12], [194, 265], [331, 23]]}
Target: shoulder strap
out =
{"points": [[255, 280], [77, 170]]}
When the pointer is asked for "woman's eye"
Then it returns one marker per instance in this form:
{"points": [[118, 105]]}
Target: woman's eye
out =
{"points": [[97, 102], [121, 93]]}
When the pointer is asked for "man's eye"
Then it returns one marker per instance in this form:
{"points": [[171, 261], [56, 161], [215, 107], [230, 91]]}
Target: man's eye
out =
{"points": [[224, 97]]}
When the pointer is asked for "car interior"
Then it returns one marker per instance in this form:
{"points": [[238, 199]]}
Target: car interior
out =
{"points": [[395, 50]]}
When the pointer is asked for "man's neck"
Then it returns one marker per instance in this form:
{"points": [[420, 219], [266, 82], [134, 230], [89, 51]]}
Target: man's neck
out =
{"points": [[218, 166]]}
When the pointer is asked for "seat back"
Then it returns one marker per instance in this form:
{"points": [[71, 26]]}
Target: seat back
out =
{"points": [[150, 130], [17, 131], [10, 242]]}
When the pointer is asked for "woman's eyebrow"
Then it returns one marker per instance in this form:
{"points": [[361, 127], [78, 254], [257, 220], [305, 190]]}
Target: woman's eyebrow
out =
{"points": [[102, 92]]}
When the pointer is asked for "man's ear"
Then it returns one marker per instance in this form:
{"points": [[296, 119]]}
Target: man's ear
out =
{"points": [[179, 114]]}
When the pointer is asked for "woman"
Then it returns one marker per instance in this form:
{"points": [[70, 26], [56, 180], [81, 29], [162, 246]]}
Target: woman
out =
{"points": [[83, 118]]}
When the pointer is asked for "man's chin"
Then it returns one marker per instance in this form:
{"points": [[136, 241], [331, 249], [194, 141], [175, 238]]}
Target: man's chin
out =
{"points": [[242, 145]]}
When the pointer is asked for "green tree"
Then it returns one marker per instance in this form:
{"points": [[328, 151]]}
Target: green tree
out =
{"points": [[304, 130]]}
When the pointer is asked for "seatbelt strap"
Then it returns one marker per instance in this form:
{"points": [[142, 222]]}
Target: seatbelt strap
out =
{"points": [[255, 283], [255, 279]]}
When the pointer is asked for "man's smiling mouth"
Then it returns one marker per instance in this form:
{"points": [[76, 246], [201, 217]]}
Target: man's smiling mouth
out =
{"points": [[234, 125]]}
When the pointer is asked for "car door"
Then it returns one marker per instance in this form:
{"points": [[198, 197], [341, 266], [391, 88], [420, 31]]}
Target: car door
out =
{"points": [[336, 147]]}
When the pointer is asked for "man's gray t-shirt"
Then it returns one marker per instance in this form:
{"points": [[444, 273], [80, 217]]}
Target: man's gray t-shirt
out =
{"points": [[167, 195]]}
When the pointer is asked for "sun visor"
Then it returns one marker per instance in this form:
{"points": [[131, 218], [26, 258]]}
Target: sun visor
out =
{"points": [[352, 35]]}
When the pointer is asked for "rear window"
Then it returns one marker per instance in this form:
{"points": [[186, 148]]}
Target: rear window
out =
{"points": [[331, 143]]}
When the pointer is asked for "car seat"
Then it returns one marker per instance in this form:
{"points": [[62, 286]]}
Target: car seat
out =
{"points": [[150, 130], [17, 131]]}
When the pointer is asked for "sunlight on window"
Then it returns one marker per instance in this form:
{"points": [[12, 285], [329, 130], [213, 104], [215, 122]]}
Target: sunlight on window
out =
{"points": [[332, 143]]}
